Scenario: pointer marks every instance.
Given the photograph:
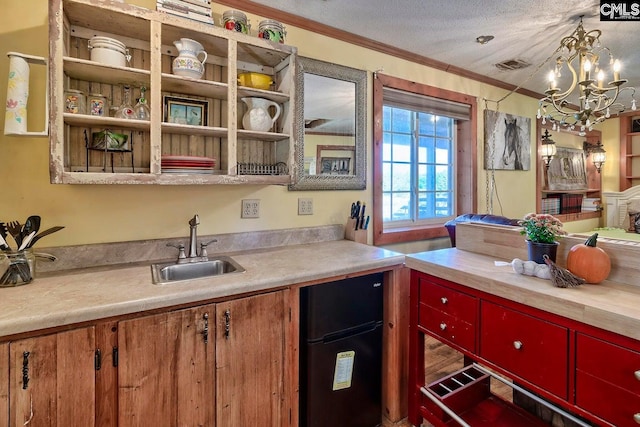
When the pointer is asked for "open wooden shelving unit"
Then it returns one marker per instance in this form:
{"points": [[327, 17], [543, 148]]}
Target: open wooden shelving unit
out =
{"points": [[149, 37]]}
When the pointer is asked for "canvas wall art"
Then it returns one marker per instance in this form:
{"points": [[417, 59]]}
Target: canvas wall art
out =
{"points": [[507, 141]]}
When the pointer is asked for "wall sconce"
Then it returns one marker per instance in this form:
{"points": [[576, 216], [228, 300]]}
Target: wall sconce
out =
{"points": [[599, 155], [548, 148]]}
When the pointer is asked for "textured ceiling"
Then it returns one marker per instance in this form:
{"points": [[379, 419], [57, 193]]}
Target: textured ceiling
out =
{"points": [[446, 31]]}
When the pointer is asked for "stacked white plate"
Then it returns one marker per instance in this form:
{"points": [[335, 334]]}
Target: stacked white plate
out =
{"points": [[187, 164], [109, 51]]}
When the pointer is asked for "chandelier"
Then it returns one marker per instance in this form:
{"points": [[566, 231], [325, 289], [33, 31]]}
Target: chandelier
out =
{"points": [[580, 55]]}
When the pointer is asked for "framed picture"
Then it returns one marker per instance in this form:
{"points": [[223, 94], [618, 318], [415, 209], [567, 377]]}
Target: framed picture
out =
{"points": [[185, 111], [335, 165], [507, 141], [567, 170], [335, 160]]}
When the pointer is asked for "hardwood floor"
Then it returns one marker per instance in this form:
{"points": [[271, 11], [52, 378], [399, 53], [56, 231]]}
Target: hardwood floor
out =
{"points": [[442, 360]]}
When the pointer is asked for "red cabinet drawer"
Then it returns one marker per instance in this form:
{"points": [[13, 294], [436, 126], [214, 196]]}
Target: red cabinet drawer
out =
{"points": [[593, 355], [603, 399], [449, 328], [531, 348], [450, 301]]}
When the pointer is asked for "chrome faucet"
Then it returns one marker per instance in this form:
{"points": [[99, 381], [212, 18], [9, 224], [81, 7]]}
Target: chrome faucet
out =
{"points": [[193, 255], [193, 237]]}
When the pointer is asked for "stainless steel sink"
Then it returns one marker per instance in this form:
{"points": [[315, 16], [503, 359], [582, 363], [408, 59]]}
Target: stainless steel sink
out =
{"points": [[170, 272]]}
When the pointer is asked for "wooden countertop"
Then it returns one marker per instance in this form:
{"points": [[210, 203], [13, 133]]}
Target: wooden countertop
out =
{"points": [[92, 294], [610, 305]]}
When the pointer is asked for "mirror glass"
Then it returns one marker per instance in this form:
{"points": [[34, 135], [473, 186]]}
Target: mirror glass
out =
{"points": [[330, 149]]}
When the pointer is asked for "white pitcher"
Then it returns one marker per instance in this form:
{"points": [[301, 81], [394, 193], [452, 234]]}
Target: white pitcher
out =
{"points": [[188, 63], [257, 116]]}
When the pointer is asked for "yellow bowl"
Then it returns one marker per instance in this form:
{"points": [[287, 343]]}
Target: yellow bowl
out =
{"points": [[255, 80]]}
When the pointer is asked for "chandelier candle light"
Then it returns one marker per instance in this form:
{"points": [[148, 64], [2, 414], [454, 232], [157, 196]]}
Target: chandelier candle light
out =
{"points": [[580, 55]]}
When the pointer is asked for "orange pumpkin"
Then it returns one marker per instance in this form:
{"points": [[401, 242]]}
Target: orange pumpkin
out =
{"points": [[588, 261]]}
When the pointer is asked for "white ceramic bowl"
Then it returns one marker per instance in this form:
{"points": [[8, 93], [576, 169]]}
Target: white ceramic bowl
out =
{"points": [[108, 51]]}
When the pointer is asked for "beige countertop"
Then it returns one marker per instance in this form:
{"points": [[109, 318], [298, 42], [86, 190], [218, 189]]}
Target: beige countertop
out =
{"points": [[611, 306], [91, 294]]}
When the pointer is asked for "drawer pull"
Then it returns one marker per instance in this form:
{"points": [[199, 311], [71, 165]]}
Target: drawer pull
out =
{"points": [[517, 345], [443, 326], [637, 374], [636, 418], [444, 300]]}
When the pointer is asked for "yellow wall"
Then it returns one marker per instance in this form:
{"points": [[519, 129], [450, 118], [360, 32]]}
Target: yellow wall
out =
{"points": [[98, 213]]}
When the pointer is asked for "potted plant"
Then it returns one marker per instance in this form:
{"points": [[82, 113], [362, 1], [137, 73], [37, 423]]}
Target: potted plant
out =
{"points": [[542, 232]]}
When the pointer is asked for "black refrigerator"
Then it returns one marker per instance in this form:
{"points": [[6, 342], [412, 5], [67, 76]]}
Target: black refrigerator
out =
{"points": [[341, 353]]}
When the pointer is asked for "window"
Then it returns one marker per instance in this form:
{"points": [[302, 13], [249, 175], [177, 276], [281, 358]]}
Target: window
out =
{"points": [[424, 159], [417, 167]]}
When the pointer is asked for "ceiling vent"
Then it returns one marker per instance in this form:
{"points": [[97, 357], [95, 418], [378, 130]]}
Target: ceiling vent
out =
{"points": [[512, 64]]}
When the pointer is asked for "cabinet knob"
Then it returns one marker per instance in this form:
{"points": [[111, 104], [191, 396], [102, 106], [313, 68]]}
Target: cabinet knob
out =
{"points": [[637, 374], [636, 418], [517, 345], [443, 326], [444, 300]]}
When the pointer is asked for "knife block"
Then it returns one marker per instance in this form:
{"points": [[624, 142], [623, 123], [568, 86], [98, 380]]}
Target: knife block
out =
{"points": [[350, 232]]}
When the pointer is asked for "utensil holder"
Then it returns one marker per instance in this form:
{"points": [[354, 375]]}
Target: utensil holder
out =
{"points": [[350, 232], [17, 268]]}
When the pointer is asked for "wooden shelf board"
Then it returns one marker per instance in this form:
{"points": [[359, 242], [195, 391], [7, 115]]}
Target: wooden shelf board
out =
{"points": [[278, 97], [170, 179], [633, 155], [578, 216], [83, 69], [261, 136], [197, 87], [84, 14], [587, 190], [181, 129], [84, 120]]}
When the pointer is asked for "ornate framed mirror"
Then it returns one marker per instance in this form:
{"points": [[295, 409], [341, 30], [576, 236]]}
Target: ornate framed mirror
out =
{"points": [[330, 152]]}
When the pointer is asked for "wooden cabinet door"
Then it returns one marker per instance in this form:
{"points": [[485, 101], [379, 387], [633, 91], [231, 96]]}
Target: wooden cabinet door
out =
{"points": [[250, 336], [166, 371], [4, 384], [52, 380]]}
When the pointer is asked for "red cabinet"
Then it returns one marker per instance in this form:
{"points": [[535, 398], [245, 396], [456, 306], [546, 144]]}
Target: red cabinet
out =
{"points": [[607, 373], [449, 314], [590, 372], [533, 349]]}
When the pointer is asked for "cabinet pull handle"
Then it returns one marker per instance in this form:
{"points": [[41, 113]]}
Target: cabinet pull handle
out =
{"points": [[25, 370], [637, 374], [205, 331], [444, 300], [114, 357], [636, 418], [97, 359], [443, 326], [227, 323], [517, 345]]}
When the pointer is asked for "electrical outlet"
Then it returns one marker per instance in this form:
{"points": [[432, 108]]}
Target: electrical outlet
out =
{"points": [[250, 208], [305, 206]]}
